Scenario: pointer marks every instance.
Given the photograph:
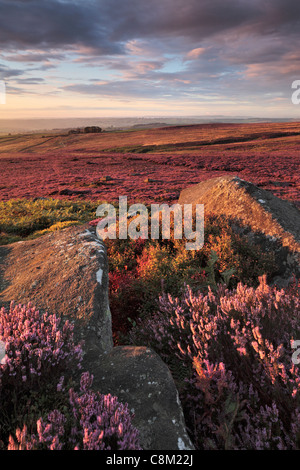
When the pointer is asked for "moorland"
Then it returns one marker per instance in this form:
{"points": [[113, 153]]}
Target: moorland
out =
{"points": [[211, 315], [150, 164]]}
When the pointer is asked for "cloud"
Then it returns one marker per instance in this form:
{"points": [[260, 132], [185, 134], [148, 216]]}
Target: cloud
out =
{"points": [[168, 18], [105, 26], [29, 81], [195, 53], [53, 24], [34, 56], [6, 72], [153, 48], [118, 89]]}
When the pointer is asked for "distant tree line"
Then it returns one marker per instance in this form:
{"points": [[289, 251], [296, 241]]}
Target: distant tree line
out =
{"points": [[86, 130]]}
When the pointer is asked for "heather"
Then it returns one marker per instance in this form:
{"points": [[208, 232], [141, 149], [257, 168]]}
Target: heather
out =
{"points": [[65, 166], [59, 414], [212, 316], [42, 405], [224, 333], [230, 351], [140, 269]]}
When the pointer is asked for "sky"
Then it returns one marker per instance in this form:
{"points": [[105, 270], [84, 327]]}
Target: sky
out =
{"points": [[120, 58]]}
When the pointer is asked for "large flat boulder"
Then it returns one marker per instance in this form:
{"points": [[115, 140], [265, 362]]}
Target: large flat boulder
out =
{"points": [[137, 376], [266, 219], [66, 273]]}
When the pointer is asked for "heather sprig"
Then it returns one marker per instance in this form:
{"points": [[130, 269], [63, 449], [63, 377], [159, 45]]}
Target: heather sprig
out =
{"points": [[102, 423], [36, 376], [241, 387], [38, 347], [92, 422]]}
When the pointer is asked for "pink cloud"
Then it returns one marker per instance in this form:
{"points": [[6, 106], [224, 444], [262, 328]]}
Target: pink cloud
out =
{"points": [[195, 53]]}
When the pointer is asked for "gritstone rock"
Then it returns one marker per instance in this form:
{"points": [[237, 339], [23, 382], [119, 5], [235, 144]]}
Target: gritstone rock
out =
{"points": [[264, 218], [66, 273], [137, 376]]}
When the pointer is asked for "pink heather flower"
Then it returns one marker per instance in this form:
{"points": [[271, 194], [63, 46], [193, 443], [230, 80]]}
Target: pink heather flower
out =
{"points": [[234, 353], [60, 387]]}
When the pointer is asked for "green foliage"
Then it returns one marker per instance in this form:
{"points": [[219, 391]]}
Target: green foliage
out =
{"points": [[21, 218]]}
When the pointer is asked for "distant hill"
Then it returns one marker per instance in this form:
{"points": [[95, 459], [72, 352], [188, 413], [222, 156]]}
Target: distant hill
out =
{"points": [[46, 125]]}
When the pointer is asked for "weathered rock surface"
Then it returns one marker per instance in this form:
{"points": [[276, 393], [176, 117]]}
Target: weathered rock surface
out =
{"points": [[138, 377], [264, 218], [65, 273]]}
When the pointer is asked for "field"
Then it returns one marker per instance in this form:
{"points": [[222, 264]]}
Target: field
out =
{"points": [[149, 165], [224, 332]]}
